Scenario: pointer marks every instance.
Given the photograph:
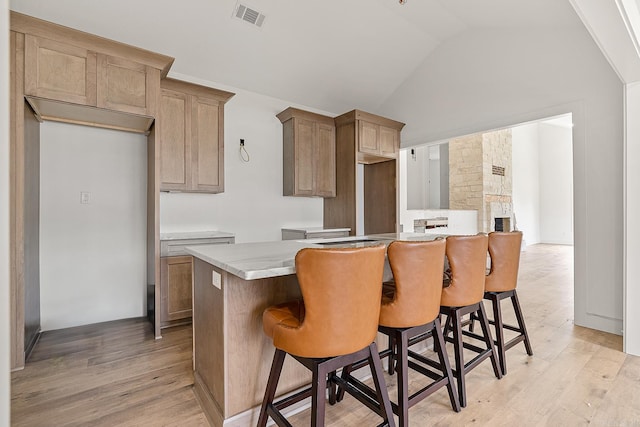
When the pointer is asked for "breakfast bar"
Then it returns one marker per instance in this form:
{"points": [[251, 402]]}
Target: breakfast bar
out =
{"points": [[233, 284]]}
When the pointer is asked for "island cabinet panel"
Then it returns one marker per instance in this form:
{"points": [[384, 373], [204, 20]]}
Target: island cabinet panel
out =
{"points": [[175, 288], [191, 137], [59, 71], [309, 154]]}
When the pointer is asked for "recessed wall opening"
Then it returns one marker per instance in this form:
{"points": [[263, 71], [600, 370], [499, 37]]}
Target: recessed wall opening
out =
{"points": [[519, 177]]}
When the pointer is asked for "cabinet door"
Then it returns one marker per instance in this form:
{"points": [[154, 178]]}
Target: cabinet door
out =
{"points": [[368, 141], [59, 71], [325, 164], [389, 141], [121, 85], [175, 137], [175, 288], [305, 151], [207, 146]]}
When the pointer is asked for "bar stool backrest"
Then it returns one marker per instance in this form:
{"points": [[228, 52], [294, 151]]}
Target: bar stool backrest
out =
{"points": [[341, 289], [467, 257], [417, 271], [504, 250]]}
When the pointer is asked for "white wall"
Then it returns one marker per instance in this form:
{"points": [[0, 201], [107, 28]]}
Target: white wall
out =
{"points": [[252, 205], [526, 181], [92, 256], [556, 184], [490, 79], [5, 343], [632, 242]]}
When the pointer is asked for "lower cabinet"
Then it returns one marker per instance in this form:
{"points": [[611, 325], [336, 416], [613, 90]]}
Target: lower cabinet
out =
{"points": [[175, 290]]}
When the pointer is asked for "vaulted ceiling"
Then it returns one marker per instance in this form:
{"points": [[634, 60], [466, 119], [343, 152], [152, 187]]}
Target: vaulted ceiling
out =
{"points": [[333, 55]]}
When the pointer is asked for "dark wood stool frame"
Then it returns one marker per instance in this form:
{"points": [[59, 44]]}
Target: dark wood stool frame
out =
{"points": [[324, 375], [400, 339], [454, 323], [521, 329]]}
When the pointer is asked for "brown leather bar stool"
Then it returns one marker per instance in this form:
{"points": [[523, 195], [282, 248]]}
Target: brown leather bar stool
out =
{"points": [[500, 283], [467, 256], [334, 326], [411, 311]]}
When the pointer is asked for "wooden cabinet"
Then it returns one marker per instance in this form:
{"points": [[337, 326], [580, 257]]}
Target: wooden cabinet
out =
{"points": [[64, 72], [378, 138], [59, 71], [309, 154], [191, 137], [175, 289], [366, 202], [175, 273]]}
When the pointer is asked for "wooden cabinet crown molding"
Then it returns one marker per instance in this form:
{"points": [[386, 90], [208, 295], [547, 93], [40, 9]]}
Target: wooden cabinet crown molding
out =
{"points": [[195, 89], [354, 115], [29, 25]]}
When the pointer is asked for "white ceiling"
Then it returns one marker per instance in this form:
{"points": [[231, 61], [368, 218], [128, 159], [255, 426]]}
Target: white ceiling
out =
{"points": [[333, 55]]}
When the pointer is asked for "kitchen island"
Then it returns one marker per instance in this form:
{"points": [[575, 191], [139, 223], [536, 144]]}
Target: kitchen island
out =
{"points": [[233, 284]]}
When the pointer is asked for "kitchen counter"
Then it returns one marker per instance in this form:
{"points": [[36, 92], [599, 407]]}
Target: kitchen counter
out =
{"points": [[232, 285], [188, 235], [173, 244], [251, 261]]}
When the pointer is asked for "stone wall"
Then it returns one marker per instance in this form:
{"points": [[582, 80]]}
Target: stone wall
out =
{"points": [[480, 176]]}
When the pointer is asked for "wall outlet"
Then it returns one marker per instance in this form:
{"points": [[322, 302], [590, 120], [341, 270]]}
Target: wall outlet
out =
{"points": [[85, 197], [216, 279]]}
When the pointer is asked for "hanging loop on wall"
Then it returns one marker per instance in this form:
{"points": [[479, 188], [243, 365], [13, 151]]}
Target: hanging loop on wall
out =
{"points": [[244, 154]]}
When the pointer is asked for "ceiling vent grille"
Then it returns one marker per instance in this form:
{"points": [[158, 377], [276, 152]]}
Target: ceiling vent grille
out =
{"points": [[249, 15]]}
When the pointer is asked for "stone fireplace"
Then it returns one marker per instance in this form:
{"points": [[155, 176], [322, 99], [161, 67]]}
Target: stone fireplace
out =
{"points": [[480, 176]]}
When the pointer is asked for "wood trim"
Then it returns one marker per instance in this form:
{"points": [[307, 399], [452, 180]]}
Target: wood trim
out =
{"points": [[354, 115], [65, 112], [195, 89], [16, 199], [291, 112], [340, 211], [153, 226], [30, 25]]}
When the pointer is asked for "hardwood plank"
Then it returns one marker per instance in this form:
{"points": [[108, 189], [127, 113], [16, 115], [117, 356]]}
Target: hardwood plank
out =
{"points": [[116, 373]]}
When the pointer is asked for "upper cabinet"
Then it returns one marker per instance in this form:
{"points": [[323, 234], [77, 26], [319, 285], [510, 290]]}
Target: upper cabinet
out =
{"points": [[378, 138], [66, 71], [309, 154], [191, 129], [59, 71], [124, 85]]}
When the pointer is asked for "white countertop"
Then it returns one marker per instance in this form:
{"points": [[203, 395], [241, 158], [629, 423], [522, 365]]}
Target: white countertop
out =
{"points": [[260, 260], [187, 235], [311, 230]]}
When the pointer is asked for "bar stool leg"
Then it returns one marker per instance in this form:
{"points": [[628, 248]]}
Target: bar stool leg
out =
{"points": [[272, 384], [318, 388], [484, 323], [378, 379], [497, 319], [402, 342], [458, 348], [440, 348], [520, 319]]}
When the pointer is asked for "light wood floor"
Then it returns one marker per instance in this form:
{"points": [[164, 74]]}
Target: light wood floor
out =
{"points": [[117, 374]]}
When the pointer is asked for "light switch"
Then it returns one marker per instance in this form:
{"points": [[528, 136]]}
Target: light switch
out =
{"points": [[85, 197], [216, 279]]}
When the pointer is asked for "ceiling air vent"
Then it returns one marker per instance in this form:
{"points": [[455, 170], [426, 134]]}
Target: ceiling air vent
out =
{"points": [[249, 15]]}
